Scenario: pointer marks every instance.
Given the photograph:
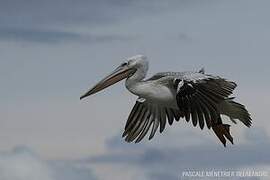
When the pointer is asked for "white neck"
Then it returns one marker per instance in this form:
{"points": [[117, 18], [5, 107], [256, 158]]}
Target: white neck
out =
{"points": [[134, 82]]}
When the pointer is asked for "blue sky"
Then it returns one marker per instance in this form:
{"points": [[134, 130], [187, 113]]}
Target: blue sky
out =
{"points": [[52, 51]]}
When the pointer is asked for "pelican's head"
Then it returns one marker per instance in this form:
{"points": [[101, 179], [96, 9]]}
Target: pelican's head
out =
{"points": [[139, 62], [125, 70]]}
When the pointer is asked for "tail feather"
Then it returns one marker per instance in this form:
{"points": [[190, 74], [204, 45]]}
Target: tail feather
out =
{"points": [[222, 131], [235, 110]]}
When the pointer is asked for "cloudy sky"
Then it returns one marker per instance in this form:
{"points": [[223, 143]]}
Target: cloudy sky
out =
{"points": [[52, 51]]}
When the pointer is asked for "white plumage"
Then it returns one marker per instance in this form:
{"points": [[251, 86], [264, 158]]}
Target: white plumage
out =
{"points": [[169, 96]]}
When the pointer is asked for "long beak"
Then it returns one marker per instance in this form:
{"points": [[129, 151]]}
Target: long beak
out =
{"points": [[117, 75]]}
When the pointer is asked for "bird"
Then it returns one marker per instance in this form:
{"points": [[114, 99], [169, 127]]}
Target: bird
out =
{"points": [[167, 97]]}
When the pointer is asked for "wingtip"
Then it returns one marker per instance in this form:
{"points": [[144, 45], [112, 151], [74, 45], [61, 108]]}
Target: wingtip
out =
{"points": [[150, 137], [82, 97], [124, 134]]}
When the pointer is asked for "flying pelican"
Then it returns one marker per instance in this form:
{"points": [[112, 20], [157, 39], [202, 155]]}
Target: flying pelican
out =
{"points": [[168, 96]]}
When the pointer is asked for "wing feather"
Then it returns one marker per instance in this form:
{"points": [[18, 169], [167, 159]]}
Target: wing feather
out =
{"points": [[169, 116], [131, 115], [145, 115], [155, 123], [145, 129], [162, 119], [200, 115], [138, 127], [194, 114], [132, 121], [198, 96]]}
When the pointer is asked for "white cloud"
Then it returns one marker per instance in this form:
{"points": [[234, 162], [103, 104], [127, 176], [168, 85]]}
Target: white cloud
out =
{"points": [[157, 162], [23, 164]]}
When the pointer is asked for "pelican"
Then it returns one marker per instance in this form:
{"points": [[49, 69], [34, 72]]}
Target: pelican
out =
{"points": [[168, 96]]}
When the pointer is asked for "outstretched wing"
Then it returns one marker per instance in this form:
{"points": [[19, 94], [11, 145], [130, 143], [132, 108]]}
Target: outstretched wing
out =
{"points": [[198, 96], [144, 116]]}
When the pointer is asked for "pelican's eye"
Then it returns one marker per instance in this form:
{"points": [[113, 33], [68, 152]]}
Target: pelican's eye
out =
{"points": [[124, 64]]}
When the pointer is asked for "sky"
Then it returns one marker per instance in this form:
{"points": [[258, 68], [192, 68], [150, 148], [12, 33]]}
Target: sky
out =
{"points": [[52, 51]]}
